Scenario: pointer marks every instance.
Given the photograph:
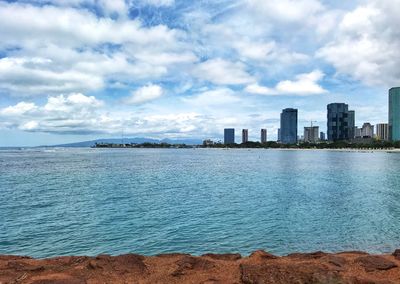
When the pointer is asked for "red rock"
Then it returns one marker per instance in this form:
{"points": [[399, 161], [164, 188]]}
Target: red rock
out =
{"points": [[262, 255], [313, 255], [372, 263], [226, 256], [396, 254], [188, 263], [284, 274]]}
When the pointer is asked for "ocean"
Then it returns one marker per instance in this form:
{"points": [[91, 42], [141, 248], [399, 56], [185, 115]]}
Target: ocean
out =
{"points": [[150, 201]]}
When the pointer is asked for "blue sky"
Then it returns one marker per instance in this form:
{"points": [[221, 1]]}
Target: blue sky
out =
{"points": [[85, 69]]}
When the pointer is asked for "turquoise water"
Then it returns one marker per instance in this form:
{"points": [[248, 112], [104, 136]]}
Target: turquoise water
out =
{"points": [[150, 201]]}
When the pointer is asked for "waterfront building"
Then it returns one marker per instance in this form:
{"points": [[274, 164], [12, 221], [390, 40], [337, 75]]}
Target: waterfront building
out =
{"points": [[229, 136], [322, 136], [311, 134], [338, 121], [245, 135], [367, 130], [288, 133], [382, 131], [263, 135], [279, 135], [357, 132], [352, 124], [394, 114]]}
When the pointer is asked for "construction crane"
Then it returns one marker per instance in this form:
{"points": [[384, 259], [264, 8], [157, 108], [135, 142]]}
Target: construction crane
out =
{"points": [[312, 122]]}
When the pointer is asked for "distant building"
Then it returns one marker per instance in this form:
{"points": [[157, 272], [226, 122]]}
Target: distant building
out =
{"points": [[229, 136], [394, 114], [208, 142], [279, 135], [338, 121], [288, 128], [352, 124], [357, 132], [382, 131], [322, 136], [367, 130], [263, 135], [245, 135], [311, 134]]}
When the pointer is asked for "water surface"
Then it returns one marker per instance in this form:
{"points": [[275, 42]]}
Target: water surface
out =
{"points": [[150, 201]]}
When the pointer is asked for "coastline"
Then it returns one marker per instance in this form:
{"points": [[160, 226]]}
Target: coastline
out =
{"points": [[259, 267]]}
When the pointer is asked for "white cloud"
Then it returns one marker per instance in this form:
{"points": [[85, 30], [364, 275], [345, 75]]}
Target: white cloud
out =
{"points": [[35, 75], [290, 11], [26, 24], [111, 7], [18, 109], [159, 3], [144, 94], [367, 43], [303, 85], [221, 96], [223, 72]]}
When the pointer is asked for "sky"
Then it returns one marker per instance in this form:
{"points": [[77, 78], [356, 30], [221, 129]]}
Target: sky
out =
{"points": [[75, 70]]}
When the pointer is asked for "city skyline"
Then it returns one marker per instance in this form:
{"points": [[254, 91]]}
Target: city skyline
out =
{"points": [[340, 125], [180, 69]]}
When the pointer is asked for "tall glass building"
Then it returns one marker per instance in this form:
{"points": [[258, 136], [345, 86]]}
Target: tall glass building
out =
{"points": [[288, 133], [229, 136], [338, 121], [394, 114], [352, 124]]}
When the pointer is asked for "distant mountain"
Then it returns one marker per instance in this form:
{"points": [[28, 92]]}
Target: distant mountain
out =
{"points": [[137, 140]]}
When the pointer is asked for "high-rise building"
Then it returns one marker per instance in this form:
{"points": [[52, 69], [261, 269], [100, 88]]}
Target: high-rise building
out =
{"points": [[311, 134], [382, 131], [279, 135], [229, 136], [394, 114], [245, 135], [357, 132], [263, 135], [338, 121], [322, 136], [352, 124], [367, 130], [289, 126]]}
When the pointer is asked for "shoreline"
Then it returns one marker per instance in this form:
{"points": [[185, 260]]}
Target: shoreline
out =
{"points": [[258, 267]]}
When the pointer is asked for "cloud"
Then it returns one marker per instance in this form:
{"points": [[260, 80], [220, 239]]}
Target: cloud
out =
{"points": [[144, 94], [223, 72], [72, 113], [27, 24], [304, 84], [34, 75], [290, 11], [57, 49], [216, 97], [18, 109], [366, 44], [159, 3]]}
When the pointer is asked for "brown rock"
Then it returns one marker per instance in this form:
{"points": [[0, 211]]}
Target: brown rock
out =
{"points": [[396, 254], [263, 255], [130, 263], [372, 263], [226, 256], [188, 263], [69, 280], [337, 261], [285, 274], [313, 255]]}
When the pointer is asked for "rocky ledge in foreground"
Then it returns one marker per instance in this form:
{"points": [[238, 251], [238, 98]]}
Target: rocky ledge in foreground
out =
{"points": [[259, 267]]}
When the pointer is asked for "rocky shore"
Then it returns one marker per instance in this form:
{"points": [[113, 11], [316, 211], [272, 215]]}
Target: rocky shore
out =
{"points": [[259, 267]]}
